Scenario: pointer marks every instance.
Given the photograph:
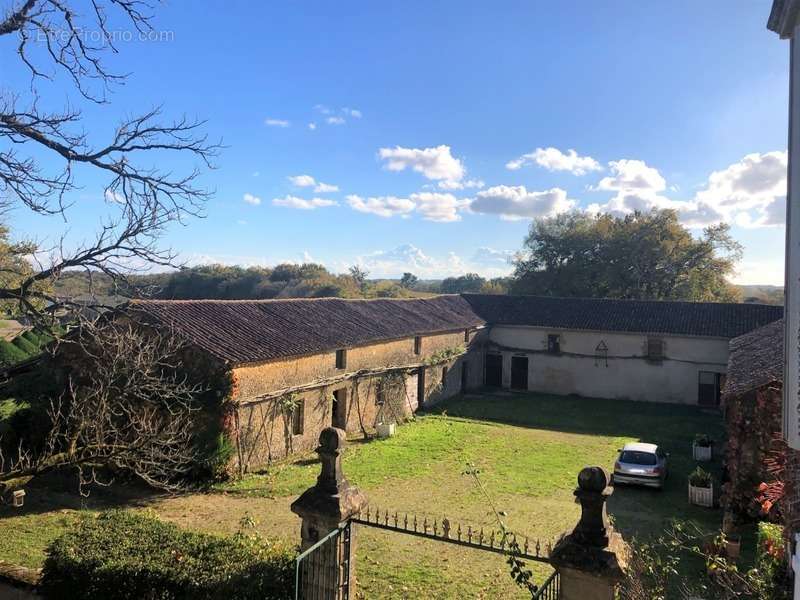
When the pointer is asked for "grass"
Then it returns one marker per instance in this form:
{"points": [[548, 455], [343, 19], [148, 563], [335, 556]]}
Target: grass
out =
{"points": [[528, 449]]}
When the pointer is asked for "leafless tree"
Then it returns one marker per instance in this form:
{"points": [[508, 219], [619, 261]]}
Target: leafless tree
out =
{"points": [[44, 152], [127, 407]]}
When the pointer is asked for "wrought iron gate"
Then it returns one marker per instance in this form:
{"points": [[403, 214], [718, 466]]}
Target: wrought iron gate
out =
{"points": [[492, 541], [322, 572]]}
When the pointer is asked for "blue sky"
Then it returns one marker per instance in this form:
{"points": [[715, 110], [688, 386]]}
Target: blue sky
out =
{"points": [[446, 126]]}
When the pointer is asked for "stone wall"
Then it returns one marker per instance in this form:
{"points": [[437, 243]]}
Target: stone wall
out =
{"points": [[349, 397], [621, 372]]}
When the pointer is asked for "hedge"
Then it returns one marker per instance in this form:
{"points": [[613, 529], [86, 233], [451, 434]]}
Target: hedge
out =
{"points": [[10, 354], [121, 555], [27, 347]]}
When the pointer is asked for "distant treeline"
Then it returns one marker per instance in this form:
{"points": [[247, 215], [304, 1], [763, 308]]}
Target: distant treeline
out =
{"points": [[282, 281]]}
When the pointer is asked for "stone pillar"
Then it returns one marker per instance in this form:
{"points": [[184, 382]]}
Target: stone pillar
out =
{"points": [[325, 507], [592, 559]]}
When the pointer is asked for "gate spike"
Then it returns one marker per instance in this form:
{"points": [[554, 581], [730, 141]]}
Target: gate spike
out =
{"points": [[459, 532], [405, 521], [491, 540], [538, 547], [549, 549], [526, 545], [425, 525], [386, 518], [435, 527], [415, 522], [367, 514], [469, 533], [395, 518], [480, 539], [503, 543]]}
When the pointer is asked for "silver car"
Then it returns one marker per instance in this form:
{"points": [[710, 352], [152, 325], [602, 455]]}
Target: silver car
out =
{"points": [[641, 464]]}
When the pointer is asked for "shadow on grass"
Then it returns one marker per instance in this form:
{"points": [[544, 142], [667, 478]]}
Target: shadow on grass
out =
{"points": [[59, 491], [593, 416]]}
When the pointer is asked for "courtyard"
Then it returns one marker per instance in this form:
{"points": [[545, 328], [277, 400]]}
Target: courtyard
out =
{"points": [[527, 449]]}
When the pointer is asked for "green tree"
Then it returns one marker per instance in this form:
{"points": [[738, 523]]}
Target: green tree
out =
{"points": [[408, 280], [471, 282], [638, 256]]}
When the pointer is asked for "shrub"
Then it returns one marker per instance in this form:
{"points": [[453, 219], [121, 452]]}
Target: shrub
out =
{"points": [[702, 440], [10, 354], [125, 556], [26, 346], [700, 478]]}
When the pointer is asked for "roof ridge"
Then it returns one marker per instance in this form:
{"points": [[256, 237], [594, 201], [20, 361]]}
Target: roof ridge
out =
{"points": [[135, 301], [595, 299]]}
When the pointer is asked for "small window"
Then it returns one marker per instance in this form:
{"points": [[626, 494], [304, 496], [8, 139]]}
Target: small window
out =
{"points": [[418, 345], [341, 359], [466, 336], [554, 343], [297, 418], [655, 349]]}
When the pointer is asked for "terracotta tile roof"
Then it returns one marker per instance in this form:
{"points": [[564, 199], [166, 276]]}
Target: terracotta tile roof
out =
{"points": [[242, 331], [755, 360], [636, 316]]}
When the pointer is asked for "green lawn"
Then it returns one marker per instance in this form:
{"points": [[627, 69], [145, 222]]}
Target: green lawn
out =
{"points": [[528, 448]]}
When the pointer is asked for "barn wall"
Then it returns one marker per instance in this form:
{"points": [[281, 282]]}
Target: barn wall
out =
{"points": [[581, 369], [264, 430]]}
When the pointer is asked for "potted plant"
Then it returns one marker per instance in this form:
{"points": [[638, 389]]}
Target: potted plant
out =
{"points": [[701, 488], [702, 447], [386, 429]]}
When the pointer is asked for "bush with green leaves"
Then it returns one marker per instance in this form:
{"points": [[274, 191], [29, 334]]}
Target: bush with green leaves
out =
{"points": [[10, 354], [26, 346], [700, 478], [121, 555]]}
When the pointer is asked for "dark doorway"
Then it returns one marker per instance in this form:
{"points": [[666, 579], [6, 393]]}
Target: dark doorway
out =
{"points": [[421, 388], [519, 372], [709, 388], [464, 376], [493, 373], [339, 409]]}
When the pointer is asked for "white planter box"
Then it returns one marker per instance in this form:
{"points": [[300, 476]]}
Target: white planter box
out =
{"points": [[386, 430], [702, 453], [701, 496]]}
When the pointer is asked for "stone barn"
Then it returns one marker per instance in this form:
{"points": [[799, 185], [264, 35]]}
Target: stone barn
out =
{"points": [[295, 367]]}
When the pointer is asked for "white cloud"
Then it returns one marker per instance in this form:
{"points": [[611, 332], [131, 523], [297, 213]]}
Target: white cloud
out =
{"points": [[407, 257], [309, 181], [352, 112], [322, 109], [290, 201], [749, 193], [553, 159], [302, 180], [449, 184], [256, 173], [114, 197], [312, 126], [516, 202], [251, 199], [276, 123], [434, 163], [335, 121], [383, 206], [438, 207], [492, 257], [632, 176]]}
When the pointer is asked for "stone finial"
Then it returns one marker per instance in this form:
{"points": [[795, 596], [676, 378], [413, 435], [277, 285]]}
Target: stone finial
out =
{"points": [[331, 444], [332, 500], [593, 490], [592, 558]]}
